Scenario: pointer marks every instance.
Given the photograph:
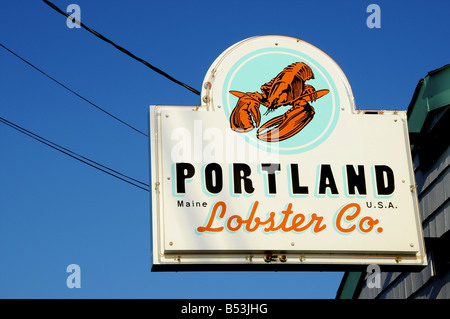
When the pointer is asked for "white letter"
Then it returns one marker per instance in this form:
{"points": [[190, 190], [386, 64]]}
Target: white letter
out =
{"points": [[373, 277], [181, 151], [75, 14], [198, 141], [74, 279], [213, 151], [374, 20]]}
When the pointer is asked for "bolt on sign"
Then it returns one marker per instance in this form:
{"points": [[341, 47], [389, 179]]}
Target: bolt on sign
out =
{"points": [[276, 170]]}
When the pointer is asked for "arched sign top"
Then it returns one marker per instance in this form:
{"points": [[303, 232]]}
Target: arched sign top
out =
{"points": [[272, 87]]}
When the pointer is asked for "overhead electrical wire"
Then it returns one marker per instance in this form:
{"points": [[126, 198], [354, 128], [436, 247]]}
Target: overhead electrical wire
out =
{"points": [[78, 157], [72, 91], [122, 49]]}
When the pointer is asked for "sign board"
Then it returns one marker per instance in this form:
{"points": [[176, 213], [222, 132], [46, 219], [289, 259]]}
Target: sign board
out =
{"points": [[277, 170]]}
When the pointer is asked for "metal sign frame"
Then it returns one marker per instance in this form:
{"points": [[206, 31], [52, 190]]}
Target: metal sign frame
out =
{"points": [[318, 186]]}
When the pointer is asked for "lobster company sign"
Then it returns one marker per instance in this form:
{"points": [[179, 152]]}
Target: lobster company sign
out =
{"points": [[277, 170]]}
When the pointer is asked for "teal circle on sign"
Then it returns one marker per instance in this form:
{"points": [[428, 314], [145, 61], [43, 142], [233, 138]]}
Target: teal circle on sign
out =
{"points": [[259, 67]]}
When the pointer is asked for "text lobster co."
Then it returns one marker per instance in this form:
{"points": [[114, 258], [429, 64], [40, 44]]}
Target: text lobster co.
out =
{"points": [[242, 179]]}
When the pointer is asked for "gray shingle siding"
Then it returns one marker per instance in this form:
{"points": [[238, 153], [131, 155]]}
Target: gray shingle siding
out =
{"points": [[433, 187]]}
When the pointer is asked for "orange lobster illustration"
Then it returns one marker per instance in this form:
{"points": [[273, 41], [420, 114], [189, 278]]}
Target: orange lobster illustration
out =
{"points": [[287, 88]]}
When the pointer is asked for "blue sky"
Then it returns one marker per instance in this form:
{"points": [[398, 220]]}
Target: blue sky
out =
{"points": [[55, 211]]}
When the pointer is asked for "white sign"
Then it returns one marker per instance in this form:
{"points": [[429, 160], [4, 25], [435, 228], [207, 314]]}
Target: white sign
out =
{"points": [[277, 168]]}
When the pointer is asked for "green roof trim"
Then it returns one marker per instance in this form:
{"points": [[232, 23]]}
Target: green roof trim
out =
{"points": [[432, 93], [349, 285]]}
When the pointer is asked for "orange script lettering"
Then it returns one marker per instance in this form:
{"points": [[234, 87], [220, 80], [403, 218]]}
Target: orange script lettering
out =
{"points": [[349, 214], [297, 223]]}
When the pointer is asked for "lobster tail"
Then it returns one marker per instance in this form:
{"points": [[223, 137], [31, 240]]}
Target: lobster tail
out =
{"points": [[302, 70]]}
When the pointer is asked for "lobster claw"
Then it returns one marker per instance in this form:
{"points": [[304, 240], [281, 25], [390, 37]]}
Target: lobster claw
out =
{"points": [[246, 115], [286, 125]]}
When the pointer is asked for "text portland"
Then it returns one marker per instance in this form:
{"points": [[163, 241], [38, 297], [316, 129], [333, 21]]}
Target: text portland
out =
{"points": [[244, 179]]}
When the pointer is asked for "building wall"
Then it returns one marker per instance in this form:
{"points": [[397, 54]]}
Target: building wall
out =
{"points": [[433, 282]]}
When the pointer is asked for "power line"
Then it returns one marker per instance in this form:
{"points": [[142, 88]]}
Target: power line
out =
{"points": [[70, 90], [121, 48], [76, 156], [73, 154]]}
